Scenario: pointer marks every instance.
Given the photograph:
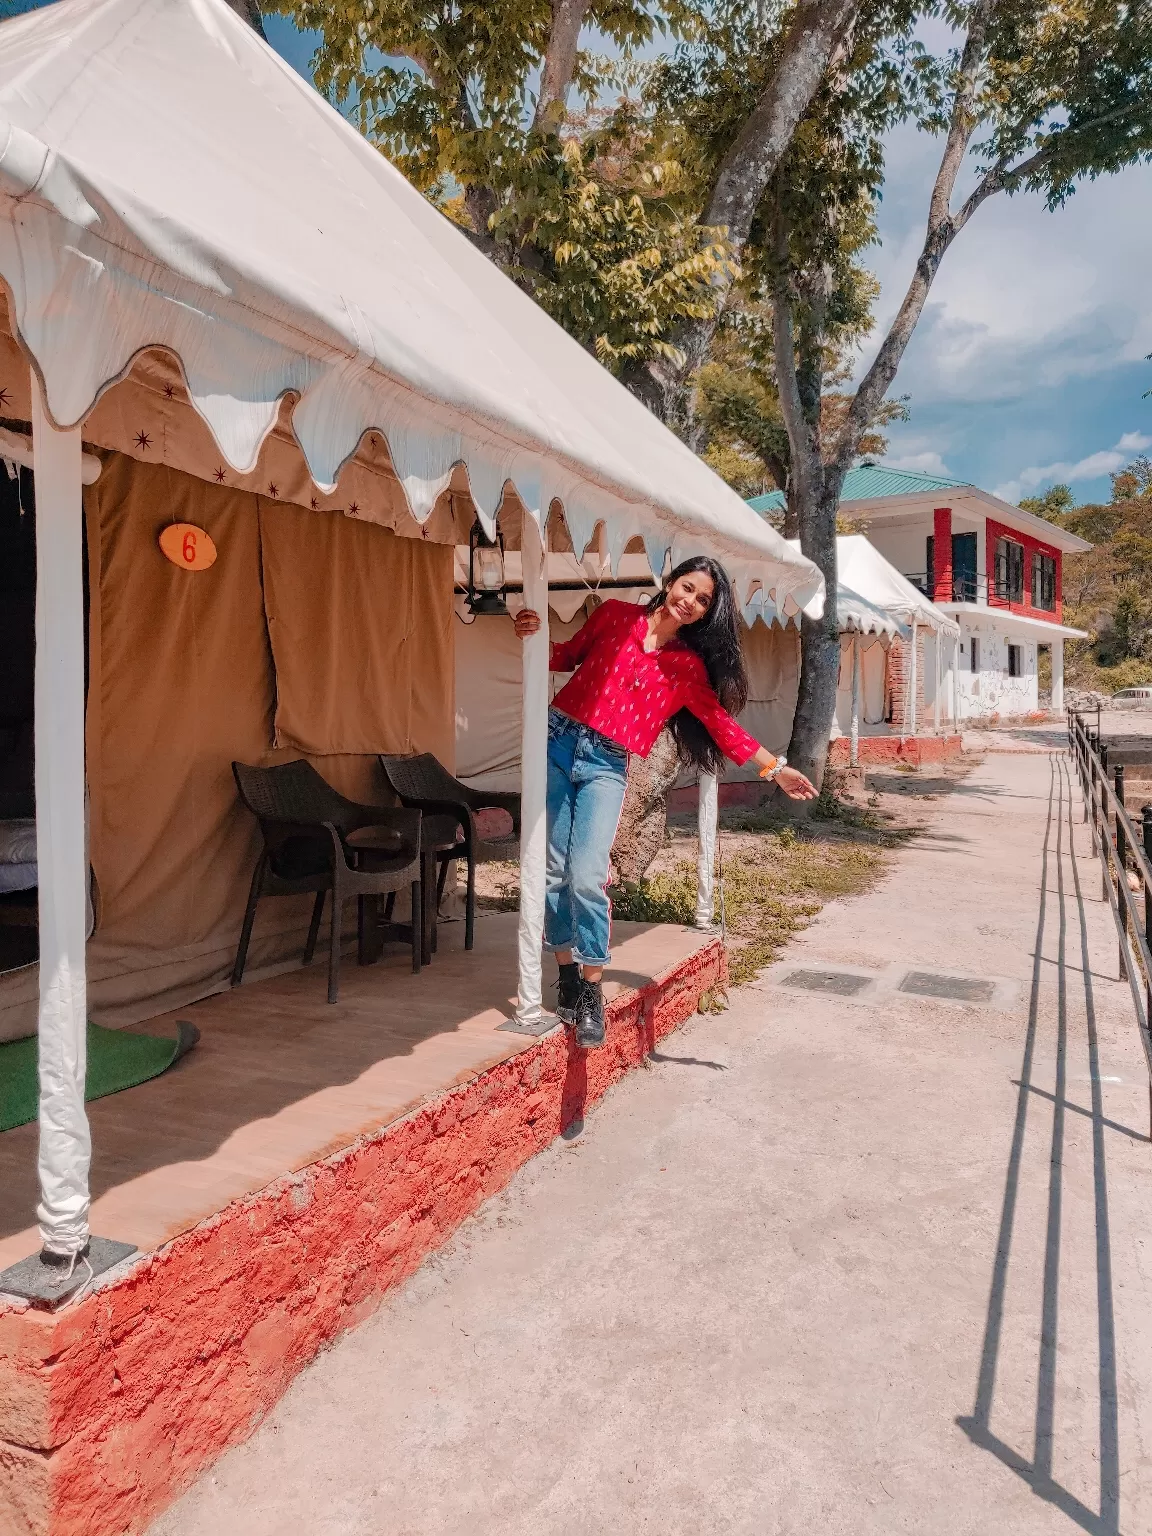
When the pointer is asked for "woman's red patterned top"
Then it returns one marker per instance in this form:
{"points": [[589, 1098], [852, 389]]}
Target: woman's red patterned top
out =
{"points": [[629, 694]]}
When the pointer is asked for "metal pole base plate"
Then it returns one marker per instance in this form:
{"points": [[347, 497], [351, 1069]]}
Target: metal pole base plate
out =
{"points": [[47, 1285], [540, 1026]]}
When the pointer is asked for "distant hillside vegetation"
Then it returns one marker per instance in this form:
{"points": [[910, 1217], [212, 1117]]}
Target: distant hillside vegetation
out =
{"points": [[1108, 591]]}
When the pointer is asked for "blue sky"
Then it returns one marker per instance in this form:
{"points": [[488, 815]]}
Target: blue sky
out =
{"points": [[1028, 364]]}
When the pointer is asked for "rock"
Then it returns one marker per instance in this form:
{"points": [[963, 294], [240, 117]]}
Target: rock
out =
{"points": [[1086, 699]]}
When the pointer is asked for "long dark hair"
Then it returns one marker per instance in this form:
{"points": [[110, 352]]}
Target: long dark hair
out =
{"points": [[716, 640]]}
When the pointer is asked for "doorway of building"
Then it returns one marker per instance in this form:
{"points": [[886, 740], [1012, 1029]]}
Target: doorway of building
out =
{"points": [[1044, 677], [964, 568]]}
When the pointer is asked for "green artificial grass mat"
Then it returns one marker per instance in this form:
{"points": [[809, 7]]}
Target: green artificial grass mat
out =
{"points": [[117, 1059]]}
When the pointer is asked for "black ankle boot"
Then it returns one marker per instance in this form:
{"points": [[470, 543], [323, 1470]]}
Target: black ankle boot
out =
{"points": [[568, 992], [590, 1015]]}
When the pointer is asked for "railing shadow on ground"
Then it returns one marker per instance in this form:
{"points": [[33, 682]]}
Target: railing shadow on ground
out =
{"points": [[1037, 1470], [918, 783]]}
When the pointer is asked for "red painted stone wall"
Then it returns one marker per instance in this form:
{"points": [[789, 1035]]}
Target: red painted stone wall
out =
{"points": [[111, 1407], [877, 751]]}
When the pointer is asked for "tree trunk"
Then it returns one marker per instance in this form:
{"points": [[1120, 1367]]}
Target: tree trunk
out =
{"points": [[644, 815], [559, 61], [818, 32], [819, 638]]}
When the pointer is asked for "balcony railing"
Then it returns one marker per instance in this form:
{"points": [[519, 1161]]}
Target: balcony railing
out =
{"points": [[965, 589], [973, 589]]}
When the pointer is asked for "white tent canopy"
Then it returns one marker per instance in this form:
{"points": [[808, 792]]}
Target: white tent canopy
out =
{"points": [[872, 597], [167, 181], [863, 571]]}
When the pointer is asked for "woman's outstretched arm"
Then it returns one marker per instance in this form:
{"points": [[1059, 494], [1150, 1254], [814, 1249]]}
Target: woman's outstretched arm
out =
{"points": [[735, 742]]}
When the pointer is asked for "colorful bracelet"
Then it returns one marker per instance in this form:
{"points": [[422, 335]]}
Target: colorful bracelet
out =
{"points": [[770, 773]]}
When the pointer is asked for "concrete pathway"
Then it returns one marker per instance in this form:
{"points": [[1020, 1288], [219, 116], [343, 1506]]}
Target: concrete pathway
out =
{"points": [[863, 1265]]}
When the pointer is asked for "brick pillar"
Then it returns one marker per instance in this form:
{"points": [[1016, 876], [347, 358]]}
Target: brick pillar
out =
{"points": [[896, 684], [942, 555], [899, 680]]}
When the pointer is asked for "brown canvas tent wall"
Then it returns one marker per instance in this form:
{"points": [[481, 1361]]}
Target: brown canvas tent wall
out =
{"points": [[183, 677]]}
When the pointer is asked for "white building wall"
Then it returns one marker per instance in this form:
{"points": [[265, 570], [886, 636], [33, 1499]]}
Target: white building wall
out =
{"points": [[929, 661], [903, 545], [991, 691]]}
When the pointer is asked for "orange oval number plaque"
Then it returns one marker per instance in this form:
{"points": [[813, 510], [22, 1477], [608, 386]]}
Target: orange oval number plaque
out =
{"points": [[188, 547]]}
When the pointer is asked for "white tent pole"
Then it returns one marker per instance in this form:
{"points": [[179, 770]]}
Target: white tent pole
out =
{"points": [[65, 1142], [706, 819], [913, 677], [937, 647], [955, 683], [533, 778], [854, 758]]}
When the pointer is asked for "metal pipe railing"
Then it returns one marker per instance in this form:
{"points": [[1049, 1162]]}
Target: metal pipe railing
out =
{"points": [[1123, 850]]}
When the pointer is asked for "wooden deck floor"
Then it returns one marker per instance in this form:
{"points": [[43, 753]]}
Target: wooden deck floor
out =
{"points": [[280, 1078]]}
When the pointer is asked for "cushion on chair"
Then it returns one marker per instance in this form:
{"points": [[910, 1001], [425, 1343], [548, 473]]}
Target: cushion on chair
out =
{"points": [[493, 824]]}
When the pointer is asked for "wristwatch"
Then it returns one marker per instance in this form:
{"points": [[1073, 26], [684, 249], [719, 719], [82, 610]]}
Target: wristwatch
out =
{"points": [[768, 774]]}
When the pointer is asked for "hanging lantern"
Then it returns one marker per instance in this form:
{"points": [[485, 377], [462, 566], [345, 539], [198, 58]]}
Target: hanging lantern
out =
{"points": [[485, 572]]}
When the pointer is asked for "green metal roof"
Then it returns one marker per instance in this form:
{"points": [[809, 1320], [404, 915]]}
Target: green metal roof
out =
{"points": [[773, 502], [871, 481]]}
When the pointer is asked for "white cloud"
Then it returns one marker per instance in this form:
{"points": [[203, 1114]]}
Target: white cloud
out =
{"points": [[1105, 462], [927, 463], [1025, 297]]}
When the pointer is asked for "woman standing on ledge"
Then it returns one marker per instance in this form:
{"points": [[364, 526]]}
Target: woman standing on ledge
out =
{"points": [[673, 661]]}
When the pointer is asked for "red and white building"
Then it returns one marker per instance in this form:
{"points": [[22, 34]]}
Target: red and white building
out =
{"points": [[994, 568]]}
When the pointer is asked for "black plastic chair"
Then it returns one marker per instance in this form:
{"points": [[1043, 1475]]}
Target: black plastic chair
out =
{"points": [[424, 784], [305, 825]]}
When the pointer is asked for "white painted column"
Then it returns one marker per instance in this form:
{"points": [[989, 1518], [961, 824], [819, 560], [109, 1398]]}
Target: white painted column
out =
{"points": [[1057, 677], [533, 778], [65, 1142], [913, 678], [854, 743], [707, 815], [956, 682]]}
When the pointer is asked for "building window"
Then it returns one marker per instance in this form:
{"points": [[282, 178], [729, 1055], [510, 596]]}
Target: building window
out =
{"points": [[1015, 661], [1044, 582], [965, 582], [974, 654], [1009, 571]]}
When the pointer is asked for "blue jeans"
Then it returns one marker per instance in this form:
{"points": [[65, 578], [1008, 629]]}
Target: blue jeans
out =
{"points": [[587, 776]]}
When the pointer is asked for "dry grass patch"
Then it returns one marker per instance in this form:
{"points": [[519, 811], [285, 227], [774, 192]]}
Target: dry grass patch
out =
{"points": [[776, 875]]}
